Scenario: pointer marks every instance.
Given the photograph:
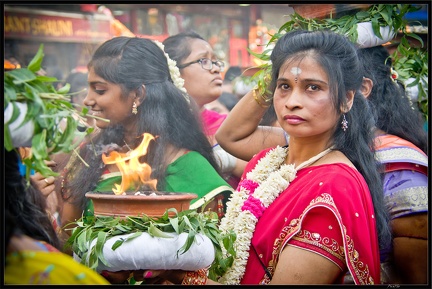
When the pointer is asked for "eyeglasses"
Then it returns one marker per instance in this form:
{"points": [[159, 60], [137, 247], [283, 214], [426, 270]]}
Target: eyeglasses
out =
{"points": [[206, 64]]}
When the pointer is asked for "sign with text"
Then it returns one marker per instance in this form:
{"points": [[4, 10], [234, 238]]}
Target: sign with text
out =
{"points": [[61, 28]]}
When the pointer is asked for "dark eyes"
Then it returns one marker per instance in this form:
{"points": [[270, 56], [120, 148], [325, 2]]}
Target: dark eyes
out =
{"points": [[313, 87], [310, 87]]}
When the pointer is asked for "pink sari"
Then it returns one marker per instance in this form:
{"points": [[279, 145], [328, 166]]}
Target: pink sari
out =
{"points": [[212, 120], [339, 191]]}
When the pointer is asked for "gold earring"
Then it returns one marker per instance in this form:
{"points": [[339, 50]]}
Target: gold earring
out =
{"points": [[134, 108]]}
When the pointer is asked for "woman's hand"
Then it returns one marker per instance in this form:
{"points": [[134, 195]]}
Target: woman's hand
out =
{"points": [[47, 187]]}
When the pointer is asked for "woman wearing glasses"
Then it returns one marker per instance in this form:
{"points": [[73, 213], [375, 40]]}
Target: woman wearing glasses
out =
{"points": [[201, 71]]}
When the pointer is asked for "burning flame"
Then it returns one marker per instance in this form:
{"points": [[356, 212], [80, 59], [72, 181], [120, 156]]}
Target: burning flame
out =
{"points": [[132, 171]]}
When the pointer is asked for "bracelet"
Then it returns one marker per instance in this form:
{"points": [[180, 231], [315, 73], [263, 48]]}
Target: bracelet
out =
{"points": [[255, 96], [195, 277]]}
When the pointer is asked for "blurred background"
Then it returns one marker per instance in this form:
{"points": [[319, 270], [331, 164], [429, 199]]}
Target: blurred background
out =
{"points": [[71, 32]]}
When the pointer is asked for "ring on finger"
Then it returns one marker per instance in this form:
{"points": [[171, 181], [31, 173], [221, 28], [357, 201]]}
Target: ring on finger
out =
{"points": [[46, 181]]}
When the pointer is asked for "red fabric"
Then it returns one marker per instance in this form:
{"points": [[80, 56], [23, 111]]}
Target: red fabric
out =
{"points": [[342, 192], [392, 167], [319, 230]]}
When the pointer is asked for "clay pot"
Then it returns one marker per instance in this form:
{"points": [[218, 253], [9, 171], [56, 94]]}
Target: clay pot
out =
{"points": [[151, 203]]}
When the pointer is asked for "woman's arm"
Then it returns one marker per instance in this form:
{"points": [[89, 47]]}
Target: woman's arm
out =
{"points": [[295, 267], [240, 134]]}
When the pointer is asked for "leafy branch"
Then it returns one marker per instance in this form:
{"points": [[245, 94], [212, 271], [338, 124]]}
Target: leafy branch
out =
{"points": [[55, 118], [101, 228], [408, 61]]}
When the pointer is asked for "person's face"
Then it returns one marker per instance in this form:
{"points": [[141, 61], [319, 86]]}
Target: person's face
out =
{"points": [[106, 101], [304, 107], [203, 85]]}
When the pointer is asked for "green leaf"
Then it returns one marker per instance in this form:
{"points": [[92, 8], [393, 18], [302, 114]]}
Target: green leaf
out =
{"points": [[117, 244], [155, 232], [189, 241], [175, 224], [99, 246], [21, 75], [36, 62], [8, 145], [133, 236], [64, 89]]}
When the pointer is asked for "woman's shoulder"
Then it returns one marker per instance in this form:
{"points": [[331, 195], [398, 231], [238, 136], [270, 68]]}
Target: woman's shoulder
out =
{"points": [[389, 141], [190, 161], [335, 175], [393, 149]]}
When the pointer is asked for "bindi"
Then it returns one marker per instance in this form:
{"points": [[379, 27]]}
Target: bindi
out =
{"points": [[296, 71]]}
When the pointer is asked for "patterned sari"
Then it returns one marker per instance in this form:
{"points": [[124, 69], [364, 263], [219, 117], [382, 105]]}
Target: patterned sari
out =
{"points": [[405, 181], [406, 197], [327, 209], [48, 267]]}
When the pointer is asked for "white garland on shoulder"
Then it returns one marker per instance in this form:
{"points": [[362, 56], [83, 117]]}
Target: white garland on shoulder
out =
{"points": [[254, 194], [174, 71]]}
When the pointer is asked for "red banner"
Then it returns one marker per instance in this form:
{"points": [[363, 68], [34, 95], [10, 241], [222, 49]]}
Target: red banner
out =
{"points": [[60, 27]]}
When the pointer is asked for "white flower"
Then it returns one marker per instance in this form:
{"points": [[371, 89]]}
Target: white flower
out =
{"points": [[174, 71]]}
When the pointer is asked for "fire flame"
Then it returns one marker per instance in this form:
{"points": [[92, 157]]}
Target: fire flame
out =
{"points": [[132, 171]]}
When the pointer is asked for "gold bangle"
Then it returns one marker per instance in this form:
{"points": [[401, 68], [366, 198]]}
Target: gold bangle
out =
{"points": [[195, 277], [255, 96]]}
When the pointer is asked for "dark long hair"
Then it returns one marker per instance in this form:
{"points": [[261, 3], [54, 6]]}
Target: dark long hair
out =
{"points": [[391, 106], [24, 206], [338, 57], [165, 113]]}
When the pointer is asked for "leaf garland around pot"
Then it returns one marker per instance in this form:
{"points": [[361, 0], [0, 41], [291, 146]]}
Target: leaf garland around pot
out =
{"points": [[54, 117], [102, 228]]}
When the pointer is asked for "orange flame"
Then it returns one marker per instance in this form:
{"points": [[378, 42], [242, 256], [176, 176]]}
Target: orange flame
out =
{"points": [[133, 172]]}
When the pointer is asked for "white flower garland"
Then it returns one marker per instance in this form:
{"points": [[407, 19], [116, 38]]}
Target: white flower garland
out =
{"points": [[261, 187], [174, 71]]}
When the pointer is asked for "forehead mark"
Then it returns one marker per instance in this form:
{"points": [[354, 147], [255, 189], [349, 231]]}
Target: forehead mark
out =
{"points": [[296, 71]]}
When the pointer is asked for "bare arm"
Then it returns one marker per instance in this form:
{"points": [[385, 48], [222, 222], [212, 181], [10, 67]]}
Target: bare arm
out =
{"points": [[298, 266], [240, 134]]}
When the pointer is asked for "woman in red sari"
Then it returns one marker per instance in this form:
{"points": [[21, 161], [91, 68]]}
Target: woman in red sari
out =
{"points": [[311, 213]]}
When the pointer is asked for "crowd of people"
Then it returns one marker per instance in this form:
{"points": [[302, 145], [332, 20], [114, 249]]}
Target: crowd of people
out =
{"points": [[323, 182]]}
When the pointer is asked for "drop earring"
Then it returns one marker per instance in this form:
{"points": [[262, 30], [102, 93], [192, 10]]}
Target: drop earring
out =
{"points": [[134, 108], [344, 123]]}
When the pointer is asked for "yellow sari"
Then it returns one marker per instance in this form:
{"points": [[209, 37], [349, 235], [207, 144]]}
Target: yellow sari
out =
{"points": [[42, 267]]}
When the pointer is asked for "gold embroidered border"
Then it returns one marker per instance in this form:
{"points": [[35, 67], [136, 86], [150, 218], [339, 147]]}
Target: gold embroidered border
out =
{"points": [[329, 245], [361, 270]]}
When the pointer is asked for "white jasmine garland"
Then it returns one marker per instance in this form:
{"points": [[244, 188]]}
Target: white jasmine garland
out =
{"points": [[254, 194], [243, 222], [174, 71]]}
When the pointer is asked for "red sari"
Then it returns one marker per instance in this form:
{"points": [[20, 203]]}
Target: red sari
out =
{"points": [[326, 209]]}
